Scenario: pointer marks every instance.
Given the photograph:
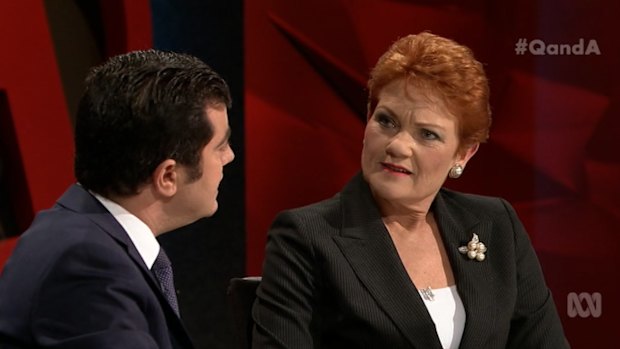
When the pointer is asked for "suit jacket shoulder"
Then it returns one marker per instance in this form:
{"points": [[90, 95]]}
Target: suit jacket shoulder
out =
{"points": [[87, 285]]}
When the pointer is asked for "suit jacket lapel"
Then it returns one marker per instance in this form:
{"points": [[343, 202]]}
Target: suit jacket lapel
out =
{"points": [[79, 200], [474, 282], [367, 246]]}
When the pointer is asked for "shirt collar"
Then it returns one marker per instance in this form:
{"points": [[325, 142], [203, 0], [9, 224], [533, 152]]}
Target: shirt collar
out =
{"points": [[139, 233]]}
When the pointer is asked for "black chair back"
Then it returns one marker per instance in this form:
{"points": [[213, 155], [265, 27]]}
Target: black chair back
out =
{"points": [[240, 295]]}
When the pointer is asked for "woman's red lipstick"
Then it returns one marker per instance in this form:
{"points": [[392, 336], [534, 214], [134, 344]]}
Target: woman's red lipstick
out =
{"points": [[395, 168]]}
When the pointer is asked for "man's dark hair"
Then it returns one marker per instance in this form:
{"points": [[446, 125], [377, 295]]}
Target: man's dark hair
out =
{"points": [[139, 109]]}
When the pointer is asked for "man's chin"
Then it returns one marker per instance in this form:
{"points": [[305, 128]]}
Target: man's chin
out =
{"points": [[212, 210]]}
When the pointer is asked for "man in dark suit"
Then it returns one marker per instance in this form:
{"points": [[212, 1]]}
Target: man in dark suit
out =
{"points": [[151, 141]]}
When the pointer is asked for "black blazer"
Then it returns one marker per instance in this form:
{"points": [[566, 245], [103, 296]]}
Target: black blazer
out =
{"points": [[332, 278], [75, 280]]}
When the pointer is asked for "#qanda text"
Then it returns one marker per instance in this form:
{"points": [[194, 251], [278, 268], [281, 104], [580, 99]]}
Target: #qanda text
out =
{"points": [[538, 47]]}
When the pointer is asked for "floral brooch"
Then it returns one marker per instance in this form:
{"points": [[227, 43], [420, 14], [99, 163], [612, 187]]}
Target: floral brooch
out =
{"points": [[475, 249]]}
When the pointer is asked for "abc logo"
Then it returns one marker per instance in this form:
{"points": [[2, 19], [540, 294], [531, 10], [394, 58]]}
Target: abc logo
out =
{"points": [[575, 304]]}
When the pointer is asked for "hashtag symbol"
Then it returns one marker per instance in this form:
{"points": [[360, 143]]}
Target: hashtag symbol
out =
{"points": [[521, 46]]}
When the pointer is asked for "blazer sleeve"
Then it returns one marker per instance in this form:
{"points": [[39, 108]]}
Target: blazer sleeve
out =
{"points": [[283, 310], [535, 322], [92, 298]]}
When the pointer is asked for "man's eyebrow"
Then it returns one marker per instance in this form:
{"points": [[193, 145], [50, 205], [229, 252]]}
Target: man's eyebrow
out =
{"points": [[226, 138]]}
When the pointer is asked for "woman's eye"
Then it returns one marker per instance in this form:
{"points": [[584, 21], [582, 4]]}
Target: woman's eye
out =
{"points": [[386, 121], [429, 135]]}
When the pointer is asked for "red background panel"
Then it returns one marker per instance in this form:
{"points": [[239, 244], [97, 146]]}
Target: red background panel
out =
{"points": [[127, 24], [35, 122]]}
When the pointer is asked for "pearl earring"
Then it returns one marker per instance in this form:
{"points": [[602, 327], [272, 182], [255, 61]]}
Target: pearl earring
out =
{"points": [[456, 171]]}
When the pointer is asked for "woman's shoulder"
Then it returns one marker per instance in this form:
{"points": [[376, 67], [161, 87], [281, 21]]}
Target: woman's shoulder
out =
{"points": [[476, 202], [317, 210]]}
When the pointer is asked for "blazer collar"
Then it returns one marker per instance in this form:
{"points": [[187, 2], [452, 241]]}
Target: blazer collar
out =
{"points": [[79, 200], [367, 246], [474, 280]]}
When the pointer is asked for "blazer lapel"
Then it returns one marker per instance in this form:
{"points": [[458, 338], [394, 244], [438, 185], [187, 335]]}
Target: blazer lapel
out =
{"points": [[474, 282], [366, 244], [79, 200]]}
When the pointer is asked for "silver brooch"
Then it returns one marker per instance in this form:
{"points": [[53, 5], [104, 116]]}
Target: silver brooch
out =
{"points": [[474, 249]]}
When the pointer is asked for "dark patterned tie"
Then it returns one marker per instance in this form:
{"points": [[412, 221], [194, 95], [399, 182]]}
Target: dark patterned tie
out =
{"points": [[163, 272]]}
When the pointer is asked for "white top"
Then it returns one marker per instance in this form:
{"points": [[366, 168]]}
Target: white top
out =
{"points": [[139, 233], [448, 314]]}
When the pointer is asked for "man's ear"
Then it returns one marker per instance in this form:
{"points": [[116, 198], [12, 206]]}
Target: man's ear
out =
{"points": [[166, 177]]}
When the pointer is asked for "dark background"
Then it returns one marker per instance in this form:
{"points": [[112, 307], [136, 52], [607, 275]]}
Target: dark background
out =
{"points": [[297, 72]]}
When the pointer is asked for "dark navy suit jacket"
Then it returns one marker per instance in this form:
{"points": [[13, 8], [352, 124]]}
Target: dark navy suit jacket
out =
{"points": [[332, 278], [75, 280]]}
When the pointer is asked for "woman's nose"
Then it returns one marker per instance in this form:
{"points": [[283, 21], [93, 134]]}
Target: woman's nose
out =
{"points": [[401, 145]]}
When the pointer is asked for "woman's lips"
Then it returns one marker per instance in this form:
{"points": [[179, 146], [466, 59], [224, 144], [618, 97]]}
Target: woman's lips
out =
{"points": [[395, 168]]}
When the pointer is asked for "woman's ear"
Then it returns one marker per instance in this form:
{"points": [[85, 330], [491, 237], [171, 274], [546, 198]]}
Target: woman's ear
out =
{"points": [[468, 153], [166, 177]]}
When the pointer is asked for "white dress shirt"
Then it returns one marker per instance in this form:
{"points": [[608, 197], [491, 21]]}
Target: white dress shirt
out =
{"points": [[448, 314], [139, 233]]}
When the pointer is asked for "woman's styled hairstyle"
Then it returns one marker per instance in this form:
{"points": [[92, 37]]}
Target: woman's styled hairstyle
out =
{"points": [[444, 67]]}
